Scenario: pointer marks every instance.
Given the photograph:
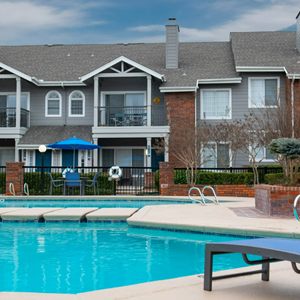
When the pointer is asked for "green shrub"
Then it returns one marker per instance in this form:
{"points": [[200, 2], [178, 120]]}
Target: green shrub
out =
{"points": [[275, 178], [33, 179], [156, 180], [216, 178]]}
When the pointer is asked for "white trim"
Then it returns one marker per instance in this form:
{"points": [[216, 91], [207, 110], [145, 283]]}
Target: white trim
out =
{"points": [[118, 75], [18, 73], [83, 104], [260, 69], [250, 105], [265, 155], [46, 104], [126, 60], [178, 89], [230, 154], [215, 118], [60, 83], [219, 80]]}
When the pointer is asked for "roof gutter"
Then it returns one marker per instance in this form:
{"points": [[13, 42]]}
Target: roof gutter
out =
{"points": [[293, 109]]}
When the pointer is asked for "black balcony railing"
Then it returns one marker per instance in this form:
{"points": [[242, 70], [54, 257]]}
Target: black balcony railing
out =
{"points": [[8, 117], [131, 116], [134, 181]]}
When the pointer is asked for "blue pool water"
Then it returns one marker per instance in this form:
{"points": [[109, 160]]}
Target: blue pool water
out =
{"points": [[87, 203], [75, 258]]}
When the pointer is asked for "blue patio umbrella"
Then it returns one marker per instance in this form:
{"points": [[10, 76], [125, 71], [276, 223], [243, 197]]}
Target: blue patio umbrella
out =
{"points": [[74, 144]]}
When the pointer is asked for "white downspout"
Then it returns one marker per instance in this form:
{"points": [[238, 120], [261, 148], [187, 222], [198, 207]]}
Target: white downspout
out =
{"points": [[293, 110]]}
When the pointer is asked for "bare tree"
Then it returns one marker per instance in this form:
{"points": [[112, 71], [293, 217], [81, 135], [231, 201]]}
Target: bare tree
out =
{"points": [[185, 145]]}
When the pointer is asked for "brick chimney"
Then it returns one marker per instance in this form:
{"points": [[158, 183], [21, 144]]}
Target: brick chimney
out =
{"points": [[172, 44], [298, 32]]}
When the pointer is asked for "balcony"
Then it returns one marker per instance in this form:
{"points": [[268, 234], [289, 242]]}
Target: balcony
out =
{"points": [[109, 116], [8, 117]]}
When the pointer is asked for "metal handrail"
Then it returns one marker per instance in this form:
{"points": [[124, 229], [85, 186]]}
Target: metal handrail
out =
{"points": [[12, 189], [195, 200], [26, 189], [216, 201], [295, 207], [202, 202]]}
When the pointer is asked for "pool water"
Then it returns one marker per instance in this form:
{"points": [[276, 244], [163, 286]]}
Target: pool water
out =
{"points": [[76, 258], [87, 203]]}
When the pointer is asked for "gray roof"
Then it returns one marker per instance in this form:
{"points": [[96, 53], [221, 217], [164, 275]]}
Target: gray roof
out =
{"points": [[266, 49], [209, 60], [43, 135]]}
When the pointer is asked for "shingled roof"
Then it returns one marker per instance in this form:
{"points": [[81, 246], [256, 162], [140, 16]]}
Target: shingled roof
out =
{"points": [[266, 49], [70, 62], [43, 135]]}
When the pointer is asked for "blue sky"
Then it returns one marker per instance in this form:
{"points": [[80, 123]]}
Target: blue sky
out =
{"points": [[32, 22]]}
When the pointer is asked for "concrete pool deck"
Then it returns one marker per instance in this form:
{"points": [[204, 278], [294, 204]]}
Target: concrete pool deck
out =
{"points": [[228, 218]]}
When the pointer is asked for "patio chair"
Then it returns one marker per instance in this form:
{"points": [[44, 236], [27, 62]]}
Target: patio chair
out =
{"points": [[271, 250], [54, 183], [93, 183], [120, 119], [72, 180]]}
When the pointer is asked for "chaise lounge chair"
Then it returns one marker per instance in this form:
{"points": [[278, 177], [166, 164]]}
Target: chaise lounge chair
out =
{"points": [[270, 249]]}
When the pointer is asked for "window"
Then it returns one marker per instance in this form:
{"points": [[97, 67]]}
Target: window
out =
{"points": [[123, 157], [216, 104], [264, 152], [263, 92], [53, 104], [219, 156], [77, 104]]}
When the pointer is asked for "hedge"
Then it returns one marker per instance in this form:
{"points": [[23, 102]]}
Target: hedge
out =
{"points": [[2, 182], [33, 179], [275, 178], [156, 180]]}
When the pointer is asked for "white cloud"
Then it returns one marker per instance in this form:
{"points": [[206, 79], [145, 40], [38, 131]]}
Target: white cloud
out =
{"points": [[273, 17]]}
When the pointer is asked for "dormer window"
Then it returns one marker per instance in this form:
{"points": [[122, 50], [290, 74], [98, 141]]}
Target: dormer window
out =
{"points": [[76, 104], [53, 104]]}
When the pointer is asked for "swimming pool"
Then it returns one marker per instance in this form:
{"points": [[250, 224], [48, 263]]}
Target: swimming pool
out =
{"points": [[75, 258], [137, 203]]}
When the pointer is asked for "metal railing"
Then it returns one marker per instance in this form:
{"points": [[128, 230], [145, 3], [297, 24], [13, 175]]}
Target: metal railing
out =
{"points": [[109, 116], [8, 117], [180, 173], [2, 180], [134, 181]]}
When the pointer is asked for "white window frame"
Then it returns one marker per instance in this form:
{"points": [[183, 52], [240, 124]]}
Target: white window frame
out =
{"points": [[230, 154], [46, 104], [22, 93], [250, 105], [215, 118], [265, 155], [103, 94], [83, 104]]}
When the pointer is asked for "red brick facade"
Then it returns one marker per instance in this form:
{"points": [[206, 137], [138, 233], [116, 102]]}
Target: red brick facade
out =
{"points": [[180, 109], [15, 175], [276, 200], [168, 188]]}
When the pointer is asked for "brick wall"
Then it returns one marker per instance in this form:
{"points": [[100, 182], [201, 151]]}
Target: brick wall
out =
{"points": [[15, 175], [168, 188], [149, 180], [276, 200], [180, 111]]}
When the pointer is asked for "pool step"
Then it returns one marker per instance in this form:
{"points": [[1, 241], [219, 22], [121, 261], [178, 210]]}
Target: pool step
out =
{"points": [[34, 214], [70, 214], [111, 214]]}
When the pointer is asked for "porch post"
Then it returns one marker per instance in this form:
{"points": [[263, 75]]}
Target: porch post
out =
{"points": [[148, 152], [95, 154], [166, 148], [96, 100], [18, 102], [149, 93], [17, 150]]}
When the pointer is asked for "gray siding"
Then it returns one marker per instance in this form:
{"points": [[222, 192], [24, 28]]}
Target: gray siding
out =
{"points": [[239, 94], [172, 41], [298, 33]]}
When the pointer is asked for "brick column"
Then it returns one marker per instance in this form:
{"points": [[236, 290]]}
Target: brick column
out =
{"points": [[166, 177], [15, 175]]}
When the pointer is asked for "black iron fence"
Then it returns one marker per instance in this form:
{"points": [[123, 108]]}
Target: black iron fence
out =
{"points": [[134, 180], [2, 180], [222, 175]]}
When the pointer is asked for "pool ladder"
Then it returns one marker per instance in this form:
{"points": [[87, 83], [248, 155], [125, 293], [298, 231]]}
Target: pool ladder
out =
{"points": [[202, 201], [295, 207], [26, 189], [12, 189]]}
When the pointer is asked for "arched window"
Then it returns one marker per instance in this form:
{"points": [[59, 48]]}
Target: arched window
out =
{"points": [[53, 104], [76, 104]]}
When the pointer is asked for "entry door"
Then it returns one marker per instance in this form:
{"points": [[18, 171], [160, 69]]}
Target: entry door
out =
{"points": [[47, 160], [67, 158]]}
